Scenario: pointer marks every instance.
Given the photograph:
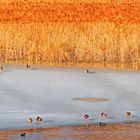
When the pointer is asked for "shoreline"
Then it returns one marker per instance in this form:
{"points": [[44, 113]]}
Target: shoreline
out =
{"points": [[114, 130], [76, 66], [69, 126]]}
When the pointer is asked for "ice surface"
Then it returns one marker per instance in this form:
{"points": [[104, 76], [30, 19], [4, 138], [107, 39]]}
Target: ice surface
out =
{"points": [[48, 92]]}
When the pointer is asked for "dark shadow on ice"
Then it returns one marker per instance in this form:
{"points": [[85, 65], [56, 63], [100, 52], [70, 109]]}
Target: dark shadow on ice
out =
{"points": [[134, 117], [48, 121], [34, 68], [92, 119], [111, 117]]}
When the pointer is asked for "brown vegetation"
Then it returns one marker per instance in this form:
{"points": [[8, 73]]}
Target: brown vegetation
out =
{"points": [[92, 99], [42, 32]]}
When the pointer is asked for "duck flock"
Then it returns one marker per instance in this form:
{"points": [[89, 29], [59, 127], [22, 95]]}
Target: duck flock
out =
{"points": [[86, 117], [39, 119]]}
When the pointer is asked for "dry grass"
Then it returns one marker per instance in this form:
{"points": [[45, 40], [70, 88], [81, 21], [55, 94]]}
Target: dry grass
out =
{"points": [[75, 1], [64, 33]]}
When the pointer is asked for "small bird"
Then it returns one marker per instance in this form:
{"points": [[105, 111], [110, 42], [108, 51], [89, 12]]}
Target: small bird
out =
{"points": [[23, 134], [1, 68], [103, 114], [27, 65], [30, 120], [127, 114], [87, 71], [38, 119], [86, 116], [101, 124]]}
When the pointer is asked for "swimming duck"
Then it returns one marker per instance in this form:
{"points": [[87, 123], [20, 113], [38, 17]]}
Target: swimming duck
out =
{"points": [[23, 134], [1, 68], [27, 65], [87, 71]]}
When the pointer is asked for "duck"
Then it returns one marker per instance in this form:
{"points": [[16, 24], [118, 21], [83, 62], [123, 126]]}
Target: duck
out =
{"points": [[127, 114], [87, 71], [86, 116], [27, 65], [1, 68], [23, 134], [103, 114], [30, 120], [39, 119], [101, 124]]}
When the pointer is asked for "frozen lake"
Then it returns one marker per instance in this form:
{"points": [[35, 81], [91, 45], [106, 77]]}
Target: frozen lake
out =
{"points": [[48, 92]]}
